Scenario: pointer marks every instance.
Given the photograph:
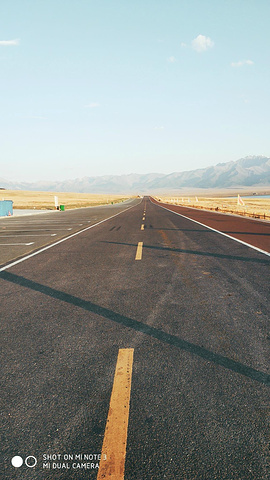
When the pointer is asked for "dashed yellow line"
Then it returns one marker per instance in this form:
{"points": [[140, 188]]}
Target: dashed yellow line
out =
{"points": [[113, 455], [139, 251], [142, 227], [143, 217]]}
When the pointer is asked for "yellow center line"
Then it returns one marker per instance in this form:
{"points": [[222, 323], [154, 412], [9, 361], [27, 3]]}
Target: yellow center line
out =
{"points": [[142, 227], [112, 463], [143, 218], [139, 251]]}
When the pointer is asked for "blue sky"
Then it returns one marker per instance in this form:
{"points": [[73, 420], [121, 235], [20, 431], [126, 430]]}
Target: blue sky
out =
{"points": [[113, 86]]}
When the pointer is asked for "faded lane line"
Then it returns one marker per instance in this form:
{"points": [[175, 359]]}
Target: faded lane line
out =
{"points": [[29, 235], [42, 225], [11, 244], [139, 251], [113, 455], [143, 218], [4, 229], [142, 227]]}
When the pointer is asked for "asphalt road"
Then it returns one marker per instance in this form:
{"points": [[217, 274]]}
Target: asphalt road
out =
{"points": [[193, 307], [245, 229], [20, 236]]}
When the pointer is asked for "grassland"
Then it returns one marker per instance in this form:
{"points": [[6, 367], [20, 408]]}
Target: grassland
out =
{"points": [[253, 207], [45, 200]]}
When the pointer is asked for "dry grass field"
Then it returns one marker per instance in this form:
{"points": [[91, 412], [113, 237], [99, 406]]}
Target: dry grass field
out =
{"points": [[45, 200], [253, 207]]}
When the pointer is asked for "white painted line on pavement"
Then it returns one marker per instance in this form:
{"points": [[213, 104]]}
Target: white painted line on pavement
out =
{"points": [[29, 235], [217, 231], [63, 240], [11, 244], [4, 230], [45, 222]]}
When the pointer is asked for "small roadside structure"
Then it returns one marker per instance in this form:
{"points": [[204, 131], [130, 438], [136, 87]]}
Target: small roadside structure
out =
{"points": [[6, 208]]}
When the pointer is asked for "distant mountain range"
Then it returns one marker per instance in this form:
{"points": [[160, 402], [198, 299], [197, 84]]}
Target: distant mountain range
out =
{"points": [[252, 171]]}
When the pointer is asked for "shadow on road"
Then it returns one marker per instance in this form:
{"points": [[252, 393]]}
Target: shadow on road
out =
{"points": [[197, 252], [209, 231], [160, 335]]}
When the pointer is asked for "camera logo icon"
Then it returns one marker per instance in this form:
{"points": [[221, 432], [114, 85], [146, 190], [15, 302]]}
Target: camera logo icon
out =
{"points": [[30, 461]]}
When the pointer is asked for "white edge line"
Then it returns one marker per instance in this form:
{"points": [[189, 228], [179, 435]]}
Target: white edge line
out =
{"points": [[214, 230], [60, 241]]}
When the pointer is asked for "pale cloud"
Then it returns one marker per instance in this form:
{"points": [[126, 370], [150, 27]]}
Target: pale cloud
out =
{"points": [[245, 100], [171, 59], [37, 117], [159, 128], [202, 43], [241, 63], [29, 117], [92, 105], [6, 43], [183, 45]]}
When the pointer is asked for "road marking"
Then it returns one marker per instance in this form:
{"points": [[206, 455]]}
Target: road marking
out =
{"points": [[29, 235], [139, 251], [142, 227], [45, 223], [113, 454], [217, 231], [143, 218], [10, 244], [4, 229], [12, 264]]}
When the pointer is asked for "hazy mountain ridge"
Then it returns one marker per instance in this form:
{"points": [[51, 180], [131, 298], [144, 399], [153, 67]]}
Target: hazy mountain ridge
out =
{"points": [[246, 172]]}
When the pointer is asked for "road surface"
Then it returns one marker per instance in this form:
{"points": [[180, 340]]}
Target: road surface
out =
{"points": [[143, 338]]}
